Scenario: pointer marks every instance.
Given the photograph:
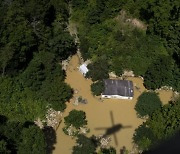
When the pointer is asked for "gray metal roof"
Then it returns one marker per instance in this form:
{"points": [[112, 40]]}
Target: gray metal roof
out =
{"points": [[118, 87]]}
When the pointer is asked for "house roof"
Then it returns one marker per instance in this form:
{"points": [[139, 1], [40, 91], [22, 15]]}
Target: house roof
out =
{"points": [[118, 87], [83, 68]]}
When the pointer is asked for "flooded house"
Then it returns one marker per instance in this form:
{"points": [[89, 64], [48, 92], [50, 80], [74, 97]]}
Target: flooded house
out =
{"points": [[118, 89]]}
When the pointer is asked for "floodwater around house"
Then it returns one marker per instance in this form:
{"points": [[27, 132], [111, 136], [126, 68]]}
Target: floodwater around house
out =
{"points": [[99, 112]]}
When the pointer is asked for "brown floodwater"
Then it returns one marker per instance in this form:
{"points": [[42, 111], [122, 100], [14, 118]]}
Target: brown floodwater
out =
{"points": [[99, 113], [165, 96]]}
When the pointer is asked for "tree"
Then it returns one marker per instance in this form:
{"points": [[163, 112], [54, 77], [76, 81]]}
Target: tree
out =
{"points": [[34, 75], [30, 70], [176, 75], [6, 54], [35, 11], [164, 122], [147, 103], [32, 78], [110, 150], [62, 43], [161, 125], [3, 119], [3, 147], [19, 103], [97, 88], [159, 73], [143, 137], [6, 89], [17, 38], [56, 92], [17, 137], [10, 132], [84, 46], [76, 118], [162, 19], [98, 70], [117, 66], [93, 15], [79, 4], [32, 140], [84, 145], [38, 71]]}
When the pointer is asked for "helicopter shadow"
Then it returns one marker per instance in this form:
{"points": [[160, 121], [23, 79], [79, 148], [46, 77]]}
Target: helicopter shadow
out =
{"points": [[113, 129]]}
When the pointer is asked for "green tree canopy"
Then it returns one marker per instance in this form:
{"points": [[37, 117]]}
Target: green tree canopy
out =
{"points": [[159, 73], [143, 137], [161, 125], [20, 101], [79, 4], [98, 70], [32, 140], [97, 88], [76, 118], [85, 145], [16, 137], [61, 44], [3, 147], [30, 69], [110, 150], [56, 92], [147, 103]]}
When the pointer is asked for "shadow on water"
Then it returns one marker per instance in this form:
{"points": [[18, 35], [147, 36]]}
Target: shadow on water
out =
{"points": [[50, 135], [113, 129]]}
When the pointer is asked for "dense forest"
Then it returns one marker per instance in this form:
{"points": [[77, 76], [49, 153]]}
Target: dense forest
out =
{"points": [[33, 41], [116, 35], [137, 35]]}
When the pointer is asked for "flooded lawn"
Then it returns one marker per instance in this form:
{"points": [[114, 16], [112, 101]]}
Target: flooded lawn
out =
{"points": [[99, 113]]}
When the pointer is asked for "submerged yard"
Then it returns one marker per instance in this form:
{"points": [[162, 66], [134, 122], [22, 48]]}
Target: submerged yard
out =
{"points": [[98, 112]]}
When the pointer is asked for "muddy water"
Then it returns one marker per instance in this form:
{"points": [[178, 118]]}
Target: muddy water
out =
{"points": [[165, 96], [98, 112]]}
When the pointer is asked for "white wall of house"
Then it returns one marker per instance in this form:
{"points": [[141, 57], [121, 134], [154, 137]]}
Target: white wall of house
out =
{"points": [[116, 97]]}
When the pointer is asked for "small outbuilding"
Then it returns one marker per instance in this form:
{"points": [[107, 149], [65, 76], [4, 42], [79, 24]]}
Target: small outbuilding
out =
{"points": [[83, 69], [118, 89]]}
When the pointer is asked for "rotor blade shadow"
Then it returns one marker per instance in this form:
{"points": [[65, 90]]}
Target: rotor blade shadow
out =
{"points": [[126, 126], [101, 128], [112, 118], [115, 139]]}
